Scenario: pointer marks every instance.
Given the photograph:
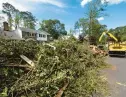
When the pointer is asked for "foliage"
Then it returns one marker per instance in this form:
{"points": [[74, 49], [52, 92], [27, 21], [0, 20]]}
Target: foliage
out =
{"points": [[12, 47], [2, 19], [28, 19], [89, 23], [8, 9], [119, 32], [72, 63], [54, 27], [10, 51], [97, 28], [83, 23], [16, 17]]}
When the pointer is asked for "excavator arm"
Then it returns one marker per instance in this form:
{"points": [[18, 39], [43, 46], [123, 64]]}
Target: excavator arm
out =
{"points": [[109, 34], [102, 36], [112, 36]]}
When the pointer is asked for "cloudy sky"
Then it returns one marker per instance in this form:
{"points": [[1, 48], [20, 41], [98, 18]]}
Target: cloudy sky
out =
{"points": [[69, 11]]}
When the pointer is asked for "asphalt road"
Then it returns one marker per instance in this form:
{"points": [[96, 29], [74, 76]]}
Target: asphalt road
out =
{"points": [[117, 76]]}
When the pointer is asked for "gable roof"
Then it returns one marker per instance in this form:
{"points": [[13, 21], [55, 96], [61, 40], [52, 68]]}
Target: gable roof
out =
{"points": [[28, 30], [44, 32], [33, 31]]}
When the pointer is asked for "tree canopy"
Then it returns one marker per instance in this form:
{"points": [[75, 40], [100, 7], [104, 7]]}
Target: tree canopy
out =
{"points": [[89, 23], [18, 18], [2, 19], [54, 27], [119, 32]]}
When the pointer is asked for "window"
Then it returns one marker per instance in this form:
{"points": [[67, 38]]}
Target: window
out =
{"points": [[41, 35], [44, 36], [33, 34], [25, 34], [30, 34]]}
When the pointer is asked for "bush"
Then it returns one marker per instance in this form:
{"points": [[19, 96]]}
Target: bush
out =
{"points": [[69, 71]]}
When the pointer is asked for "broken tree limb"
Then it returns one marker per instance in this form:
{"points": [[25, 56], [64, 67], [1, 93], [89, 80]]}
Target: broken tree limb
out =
{"points": [[30, 62], [50, 46], [60, 92], [15, 65], [23, 66]]}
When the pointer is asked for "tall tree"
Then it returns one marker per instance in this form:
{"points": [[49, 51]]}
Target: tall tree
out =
{"points": [[83, 23], [76, 26], [9, 10], [2, 19], [15, 17], [70, 32], [54, 27], [95, 10], [28, 19], [89, 24]]}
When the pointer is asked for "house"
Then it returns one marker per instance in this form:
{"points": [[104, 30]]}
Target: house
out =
{"points": [[24, 34], [34, 34], [43, 36]]}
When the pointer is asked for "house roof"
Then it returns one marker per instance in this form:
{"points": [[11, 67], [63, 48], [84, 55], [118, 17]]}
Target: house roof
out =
{"points": [[28, 30], [33, 31], [43, 32]]}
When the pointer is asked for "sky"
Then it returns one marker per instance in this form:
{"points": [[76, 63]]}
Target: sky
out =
{"points": [[69, 11]]}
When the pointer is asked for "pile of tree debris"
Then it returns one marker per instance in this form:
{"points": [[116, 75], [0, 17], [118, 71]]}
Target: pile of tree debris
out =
{"points": [[66, 69], [97, 50]]}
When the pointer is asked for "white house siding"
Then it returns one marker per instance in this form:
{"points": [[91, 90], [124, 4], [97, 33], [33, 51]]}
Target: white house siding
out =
{"points": [[19, 33], [42, 33], [16, 34], [41, 38]]}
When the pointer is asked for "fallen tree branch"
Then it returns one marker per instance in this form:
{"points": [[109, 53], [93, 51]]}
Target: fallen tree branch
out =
{"points": [[60, 92], [30, 62], [16, 66]]}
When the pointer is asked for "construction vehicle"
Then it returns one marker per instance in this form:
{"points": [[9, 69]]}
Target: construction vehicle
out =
{"points": [[115, 48]]}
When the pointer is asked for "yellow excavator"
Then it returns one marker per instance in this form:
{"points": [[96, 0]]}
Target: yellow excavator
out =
{"points": [[115, 48]]}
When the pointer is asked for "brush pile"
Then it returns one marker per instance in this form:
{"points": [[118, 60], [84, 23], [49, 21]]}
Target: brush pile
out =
{"points": [[70, 70]]}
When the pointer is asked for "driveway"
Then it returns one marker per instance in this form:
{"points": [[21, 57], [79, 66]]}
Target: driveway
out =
{"points": [[117, 76]]}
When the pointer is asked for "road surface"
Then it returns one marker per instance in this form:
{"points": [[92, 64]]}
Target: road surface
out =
{"points": [[117, 76]]}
